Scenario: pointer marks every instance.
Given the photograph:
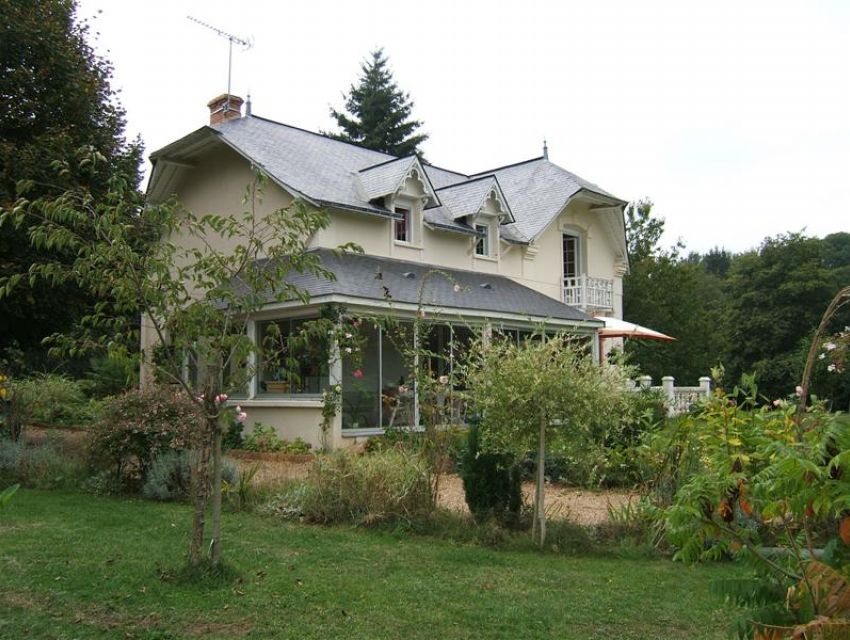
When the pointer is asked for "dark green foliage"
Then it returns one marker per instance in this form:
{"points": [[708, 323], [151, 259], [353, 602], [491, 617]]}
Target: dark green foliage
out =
{"points": [[56, 98], [492, 483], [233, 437], [378, 112], [752, 312], [776, 296], [678, 297], [110, 375]]}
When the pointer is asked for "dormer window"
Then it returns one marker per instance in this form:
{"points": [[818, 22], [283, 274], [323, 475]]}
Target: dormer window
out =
{"points": [[403, 227], [482, 244]]}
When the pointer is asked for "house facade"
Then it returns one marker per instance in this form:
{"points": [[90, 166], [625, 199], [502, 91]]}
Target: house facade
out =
{"points": [[518, 248]]}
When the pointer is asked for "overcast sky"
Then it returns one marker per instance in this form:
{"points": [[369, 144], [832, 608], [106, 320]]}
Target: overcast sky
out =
{"points": [[733, 117]]}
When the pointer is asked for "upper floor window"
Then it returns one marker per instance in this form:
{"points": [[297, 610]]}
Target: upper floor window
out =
{"points": [[482, 244], [571, 258], [403, 227]]}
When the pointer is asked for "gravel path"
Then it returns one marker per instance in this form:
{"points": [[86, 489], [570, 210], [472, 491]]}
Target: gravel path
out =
{"points": [[582, 506]]}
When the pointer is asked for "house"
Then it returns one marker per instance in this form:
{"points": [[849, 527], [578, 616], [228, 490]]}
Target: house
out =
{"points": [[519, 247]]}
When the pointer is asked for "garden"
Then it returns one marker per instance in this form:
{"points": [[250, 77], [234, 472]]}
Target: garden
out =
{"points": [[742, 506]]}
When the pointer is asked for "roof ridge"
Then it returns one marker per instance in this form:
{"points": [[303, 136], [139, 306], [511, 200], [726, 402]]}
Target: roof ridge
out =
{"points": [[469, 181], [386, 162], [435, 166], [513, 164]]}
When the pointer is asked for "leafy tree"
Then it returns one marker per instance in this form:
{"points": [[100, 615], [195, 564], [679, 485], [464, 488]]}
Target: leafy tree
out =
{"points": [[676, 296], [542, 395], [643, 232], [56, 98], [775, 296], [377, 113], [196, 299]]}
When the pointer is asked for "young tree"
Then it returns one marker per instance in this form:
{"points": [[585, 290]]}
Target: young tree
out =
{"points": [[377, 113], [541, 395], [56, 98], [195, 297]]}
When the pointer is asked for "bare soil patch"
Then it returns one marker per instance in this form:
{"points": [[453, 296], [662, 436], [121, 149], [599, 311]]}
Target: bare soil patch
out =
{"points": [[73, 438]]}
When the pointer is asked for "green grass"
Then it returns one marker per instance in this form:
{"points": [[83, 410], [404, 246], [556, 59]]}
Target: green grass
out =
{"points": [[77, 566]]}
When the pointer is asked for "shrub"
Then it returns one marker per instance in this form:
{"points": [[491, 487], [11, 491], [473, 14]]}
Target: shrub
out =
{"points": [[263, 439], [49, 466], [391, 486], [233, 437], [492, 483], [141, 424], [10, 453], [110, 375], [296, 447], [169, 476], [55, 399]]}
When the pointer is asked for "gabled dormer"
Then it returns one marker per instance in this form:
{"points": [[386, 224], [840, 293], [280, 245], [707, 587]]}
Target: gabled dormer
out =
{"points": [[481, 205], [402, 187]]}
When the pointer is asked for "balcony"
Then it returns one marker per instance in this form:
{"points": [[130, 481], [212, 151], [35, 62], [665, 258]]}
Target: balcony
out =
{"points": [[586, 293]]}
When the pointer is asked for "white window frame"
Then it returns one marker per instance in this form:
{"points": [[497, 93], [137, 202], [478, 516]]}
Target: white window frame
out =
{"points": [[484, 242]]}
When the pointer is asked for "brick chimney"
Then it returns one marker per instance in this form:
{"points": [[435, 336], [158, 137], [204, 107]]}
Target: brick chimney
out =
{"points": [[225, 107]]}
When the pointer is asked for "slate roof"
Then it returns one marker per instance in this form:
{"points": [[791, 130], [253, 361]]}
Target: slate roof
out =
{"points": [[466, 198], [330, 172], [379, 279], [538, 190], [386, 177]]}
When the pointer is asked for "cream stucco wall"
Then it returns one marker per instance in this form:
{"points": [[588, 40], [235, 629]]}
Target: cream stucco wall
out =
{"points": [[217, 185], [291, 420]]}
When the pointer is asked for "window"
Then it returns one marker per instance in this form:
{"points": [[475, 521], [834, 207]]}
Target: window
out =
{"points": [[571, 268], [403, 227], [292, 361], [482, 244]]}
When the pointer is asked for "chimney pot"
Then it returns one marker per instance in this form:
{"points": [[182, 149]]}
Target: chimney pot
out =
{"points": [[225, 107]]}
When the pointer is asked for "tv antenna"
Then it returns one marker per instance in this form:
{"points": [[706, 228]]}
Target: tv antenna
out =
{"points": [[246, 43]]}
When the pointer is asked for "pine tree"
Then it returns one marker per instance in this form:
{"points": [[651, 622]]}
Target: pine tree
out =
{"points": [[378, 112]]}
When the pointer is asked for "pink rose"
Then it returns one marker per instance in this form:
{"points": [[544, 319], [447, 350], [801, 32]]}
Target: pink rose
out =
{"points": [[357, 373]]}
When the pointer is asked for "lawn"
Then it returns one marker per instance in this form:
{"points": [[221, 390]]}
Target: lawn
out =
{"points": [[77, 566]]}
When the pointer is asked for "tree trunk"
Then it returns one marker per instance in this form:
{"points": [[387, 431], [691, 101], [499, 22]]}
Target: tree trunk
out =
{"points": [[215, 545], [200, 483], [538, 526]]}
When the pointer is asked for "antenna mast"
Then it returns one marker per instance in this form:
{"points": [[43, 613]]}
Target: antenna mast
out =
{"points": [[246, 43]]}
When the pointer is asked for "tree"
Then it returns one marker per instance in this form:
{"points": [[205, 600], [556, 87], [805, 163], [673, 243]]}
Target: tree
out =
{"points": [[195, 297], [643, 232], [775, 296], [541, 395], [676, 296], [56, 98], [377, 113]]}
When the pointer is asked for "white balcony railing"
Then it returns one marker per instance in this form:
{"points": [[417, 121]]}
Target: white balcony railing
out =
{"points": [[589, 293]]}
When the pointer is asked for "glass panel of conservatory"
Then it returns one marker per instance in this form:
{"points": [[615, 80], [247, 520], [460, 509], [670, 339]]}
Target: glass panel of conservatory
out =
{"points": [[396, 388], [361, 398]]}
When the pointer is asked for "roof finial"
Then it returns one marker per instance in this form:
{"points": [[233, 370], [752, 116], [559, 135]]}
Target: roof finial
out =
{"points": [[248, 106], [545, 146]]}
